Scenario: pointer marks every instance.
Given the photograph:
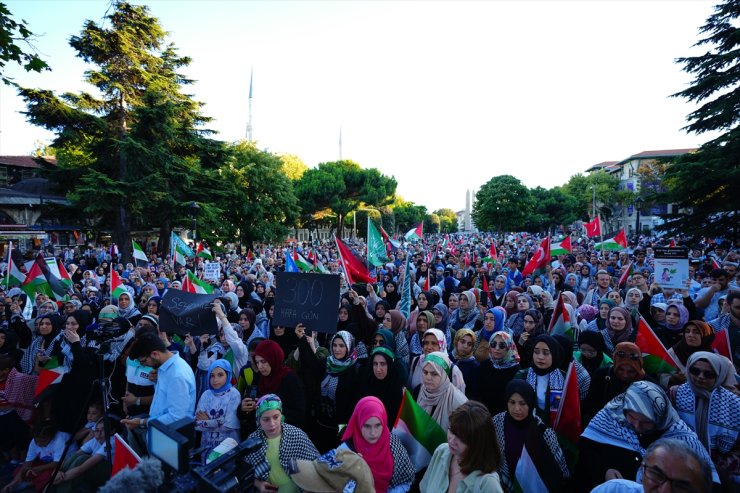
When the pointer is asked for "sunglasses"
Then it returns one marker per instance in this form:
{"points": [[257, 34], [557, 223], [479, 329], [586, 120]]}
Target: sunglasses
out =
{"points": [[708, 374], [625, 354], [499, 345]]}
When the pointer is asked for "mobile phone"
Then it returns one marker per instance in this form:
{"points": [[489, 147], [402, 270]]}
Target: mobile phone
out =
{"points": [[252, 392]]}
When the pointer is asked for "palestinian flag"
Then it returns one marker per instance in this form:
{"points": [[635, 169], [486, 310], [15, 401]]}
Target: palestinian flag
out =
{"points": [[427, 283], [593, 227], [36, 282], [415, 233], [64, 276], [250, 255], [536, 471], [492, 255], [656, 358], [192, 284], [562, 248], [116, 286], [123, 456], [50, 375], [301, 262], [715, 263], [376, 253], [567, 421], [418, 432], [619, 242], [560, 323], [14, 276], [539, 260], [353, 267], [203, 252], [386, 237], [721, 344], [627, 272], [140, 259]]}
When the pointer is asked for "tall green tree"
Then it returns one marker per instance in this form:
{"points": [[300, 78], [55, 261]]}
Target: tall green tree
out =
{"points": [[343, 187], [552, 208], [447, 220], [581, 188], [13, 34], [502, 204], [407, 215], [101, 136], [703, 185], [259, 203]]}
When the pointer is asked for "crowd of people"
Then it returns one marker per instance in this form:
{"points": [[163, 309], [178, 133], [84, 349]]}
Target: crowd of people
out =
{"points": [[467, 335]]}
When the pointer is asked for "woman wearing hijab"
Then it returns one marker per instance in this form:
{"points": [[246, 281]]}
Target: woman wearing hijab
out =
{"points": [[463, 357], [500, 287], [392, 296], [610, 381], [433, 340], [368, 435], [383, 378], [599, 323], [127, 309], [273, 377], [510, 302], [339, 380], [713, 412], [515, 322], [613, 444], [618, 328], [280, 443], [590, 352], [470, 458], [534, 326], [697, 336], [436, 395], [494, 320], [496, 372], [395, 323], [545, 375], [676, 316], [215, 414], [518, 427], [466, 313], [424, 302], [45, 349], [9, 346]]}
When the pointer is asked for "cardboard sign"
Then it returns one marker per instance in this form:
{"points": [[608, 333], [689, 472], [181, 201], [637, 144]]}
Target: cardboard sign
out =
{"points": [[211, 271], [308, 299], [671, 267], [187, 313]]}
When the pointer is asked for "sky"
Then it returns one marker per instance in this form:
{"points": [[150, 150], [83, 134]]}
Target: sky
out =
{"points": [[442, 95]]}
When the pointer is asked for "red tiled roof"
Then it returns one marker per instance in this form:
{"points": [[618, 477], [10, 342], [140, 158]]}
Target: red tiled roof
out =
{"points": [[662, 153], [27, 161], [602, 165]]}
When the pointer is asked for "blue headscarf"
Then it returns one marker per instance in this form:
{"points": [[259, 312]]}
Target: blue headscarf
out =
{"points": [[225, 366]]}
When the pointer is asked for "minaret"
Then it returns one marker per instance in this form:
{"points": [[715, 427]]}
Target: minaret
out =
{"points": [[249, 122], [340, 143], [467, 210]]}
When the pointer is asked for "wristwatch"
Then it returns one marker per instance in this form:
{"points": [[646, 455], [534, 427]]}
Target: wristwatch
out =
{"points": [[142, 422], [138, 401]]}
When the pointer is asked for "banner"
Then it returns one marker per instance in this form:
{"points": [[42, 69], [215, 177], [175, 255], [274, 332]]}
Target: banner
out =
{"points": [[671, 267], [308, 299], [187, 313], [211, 271]]}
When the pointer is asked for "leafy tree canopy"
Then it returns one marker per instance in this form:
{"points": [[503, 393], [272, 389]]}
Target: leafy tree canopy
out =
{"points": [[13, 34], [502, 204]]}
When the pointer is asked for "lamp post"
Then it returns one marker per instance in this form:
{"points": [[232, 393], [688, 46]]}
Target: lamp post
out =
{"points": [[194, 211], [638, 205]]}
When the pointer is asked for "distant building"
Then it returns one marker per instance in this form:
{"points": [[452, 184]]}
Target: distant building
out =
{"points": [[629, 180]]}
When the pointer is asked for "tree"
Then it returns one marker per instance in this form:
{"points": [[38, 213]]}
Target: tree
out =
{"points": [[293, 166], [552, 208], [11, 34], [607, 193], [447, 220], [503, 203], [700, 184], [259, 203], [407, 215], [102, 139], [343, 187]]}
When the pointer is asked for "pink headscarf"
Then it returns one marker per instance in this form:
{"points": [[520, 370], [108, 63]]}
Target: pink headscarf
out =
{"points": [[377, 455]]}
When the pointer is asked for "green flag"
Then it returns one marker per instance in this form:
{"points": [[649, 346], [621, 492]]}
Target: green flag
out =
{"points": [[405, 304], [376, 254]]}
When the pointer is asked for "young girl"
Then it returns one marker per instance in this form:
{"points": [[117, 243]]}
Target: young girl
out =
{"points": [[44, 452], [94, 413], [215, 414]]}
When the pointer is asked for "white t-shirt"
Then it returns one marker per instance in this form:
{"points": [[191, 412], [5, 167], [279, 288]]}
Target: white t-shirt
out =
{"points": [[51, 452], [92, 447], [138, 374]]}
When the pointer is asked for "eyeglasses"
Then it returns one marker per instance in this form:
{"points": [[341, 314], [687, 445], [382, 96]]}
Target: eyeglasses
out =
{"points": [[658, 477], [708, 374], [625, 354], [499, 345]]}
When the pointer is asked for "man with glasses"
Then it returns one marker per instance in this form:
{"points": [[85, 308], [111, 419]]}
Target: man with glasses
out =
{"points": [[670, 466]]}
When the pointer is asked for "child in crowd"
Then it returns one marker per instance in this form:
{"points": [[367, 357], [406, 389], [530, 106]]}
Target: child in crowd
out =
{"points": [[44, 453], [215, 414], [94, 413]]}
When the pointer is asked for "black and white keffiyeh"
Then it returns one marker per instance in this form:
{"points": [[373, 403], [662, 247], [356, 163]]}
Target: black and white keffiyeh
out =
{"points": [[294, 444]]}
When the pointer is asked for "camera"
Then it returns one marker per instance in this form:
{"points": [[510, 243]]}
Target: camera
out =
{"points": [[105, 331]]}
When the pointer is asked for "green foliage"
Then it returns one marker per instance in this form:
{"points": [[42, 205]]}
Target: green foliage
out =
{"points": [[293, 167], [447, 220], [11, 34], [552, 208], [502, 204], [700, 185], [407, 215], [342, 187], [579, 187], [259, 203]]}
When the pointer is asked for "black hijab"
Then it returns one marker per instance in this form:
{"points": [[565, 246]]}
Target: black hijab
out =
{"points": [[596, 341], [390, 389], [555, 351]]}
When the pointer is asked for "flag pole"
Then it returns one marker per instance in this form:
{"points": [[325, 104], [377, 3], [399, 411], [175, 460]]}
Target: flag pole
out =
{"points": [[7, 273], [344, 265]]}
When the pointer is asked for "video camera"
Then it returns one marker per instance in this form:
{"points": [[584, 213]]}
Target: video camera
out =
{"points": [[105, 332]]}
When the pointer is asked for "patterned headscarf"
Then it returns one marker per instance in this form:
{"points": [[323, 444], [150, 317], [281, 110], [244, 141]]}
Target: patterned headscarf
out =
{"points": [[511, 358], [440, 338], [335, 366], [268, 402]]}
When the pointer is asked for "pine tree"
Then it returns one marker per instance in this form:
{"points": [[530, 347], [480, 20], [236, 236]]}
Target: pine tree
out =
{"points": [[700, 184]]}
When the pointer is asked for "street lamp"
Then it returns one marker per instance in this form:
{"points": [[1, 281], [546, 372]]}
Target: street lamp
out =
{"points": [[638, 205], [194, 211]]}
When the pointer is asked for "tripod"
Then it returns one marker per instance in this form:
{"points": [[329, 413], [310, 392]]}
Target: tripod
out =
{"points": [[103, 383]]}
